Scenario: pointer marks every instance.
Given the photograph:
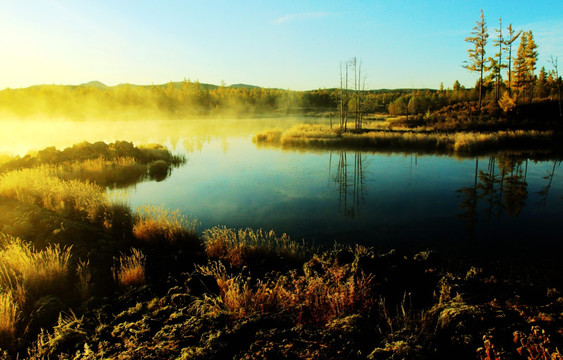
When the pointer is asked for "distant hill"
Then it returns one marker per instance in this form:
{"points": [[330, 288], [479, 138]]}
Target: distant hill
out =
{"points": [[95, 83], [238, 86], [205, 86]]}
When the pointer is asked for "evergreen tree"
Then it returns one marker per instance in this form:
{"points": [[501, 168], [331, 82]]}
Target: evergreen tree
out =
{"points": [[525, 64], [520, 65], [477, 61], [531, 61], [541, 88], [512, 36]]}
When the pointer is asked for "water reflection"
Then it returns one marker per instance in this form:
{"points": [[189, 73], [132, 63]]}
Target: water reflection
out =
{"points": [[469, 203], [350, 184], [500, 189], [549, 177], [359, 196]]}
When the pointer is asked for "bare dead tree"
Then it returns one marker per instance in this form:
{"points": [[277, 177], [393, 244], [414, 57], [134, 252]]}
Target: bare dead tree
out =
{"points": [[555, 63]]}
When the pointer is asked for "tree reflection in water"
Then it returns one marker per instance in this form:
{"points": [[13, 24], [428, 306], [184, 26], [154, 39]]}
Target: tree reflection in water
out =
{"points": [[549, 177], [502, 186], [351, 184]]}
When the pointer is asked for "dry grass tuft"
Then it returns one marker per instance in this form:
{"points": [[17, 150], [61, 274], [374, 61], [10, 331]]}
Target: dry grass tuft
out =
{"points": [[158, 225], [40, 186], [238, 247], [25, 270], [271, 136], [314, 298], [9, 315], [130, 270]]}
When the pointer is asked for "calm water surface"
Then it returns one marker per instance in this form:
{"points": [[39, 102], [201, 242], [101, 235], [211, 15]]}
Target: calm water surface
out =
{"points": [[382, 199]]}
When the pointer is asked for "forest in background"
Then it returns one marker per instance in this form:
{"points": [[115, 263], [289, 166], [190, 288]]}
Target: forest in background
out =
{"points": [[187, 98], [192, 98]]}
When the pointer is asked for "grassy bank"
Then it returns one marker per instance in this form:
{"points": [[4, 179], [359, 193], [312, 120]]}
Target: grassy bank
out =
{"points": [[85, 277], [401, 139]]}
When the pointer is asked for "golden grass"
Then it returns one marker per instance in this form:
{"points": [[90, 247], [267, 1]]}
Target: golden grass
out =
{"points": [[272, 136], [159, 225], [29, 272], [40, 186], [314, 298], [9, 315], [319, 136], [238, 246], [101, 171], [130, 270], [240, 296]]}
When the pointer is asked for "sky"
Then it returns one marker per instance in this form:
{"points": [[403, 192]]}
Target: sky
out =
{"points": [[291, 44]]}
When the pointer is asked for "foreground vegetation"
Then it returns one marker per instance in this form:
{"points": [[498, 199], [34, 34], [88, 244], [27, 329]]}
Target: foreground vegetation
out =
{"points": [[84, 276]]}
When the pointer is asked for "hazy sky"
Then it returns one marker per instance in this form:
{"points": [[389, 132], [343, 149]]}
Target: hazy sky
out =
{"points": [[283, 44]]}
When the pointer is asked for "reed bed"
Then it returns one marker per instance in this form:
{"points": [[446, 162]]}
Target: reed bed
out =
{"points": [[319, 136]]}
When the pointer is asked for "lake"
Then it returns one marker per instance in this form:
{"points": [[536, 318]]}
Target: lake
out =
{"points": [[490, 203]]}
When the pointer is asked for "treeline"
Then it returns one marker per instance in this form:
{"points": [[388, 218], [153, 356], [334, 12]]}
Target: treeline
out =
{"points": [[174, 100], [423, 102], [177, 100]]}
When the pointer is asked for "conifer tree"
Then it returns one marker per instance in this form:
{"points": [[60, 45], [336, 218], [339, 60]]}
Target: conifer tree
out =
{"points": [[512, 36], [531, 60], [525, 64], [520, 65], [541, 84], [477, 61]]}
